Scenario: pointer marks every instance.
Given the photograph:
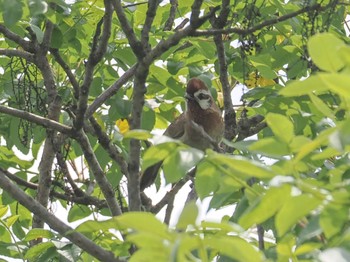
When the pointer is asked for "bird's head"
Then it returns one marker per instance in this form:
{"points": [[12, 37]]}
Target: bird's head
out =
{"points": [[198, 92]]}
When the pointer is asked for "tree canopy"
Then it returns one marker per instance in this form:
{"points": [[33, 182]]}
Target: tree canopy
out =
{"points": [[85, 87]]}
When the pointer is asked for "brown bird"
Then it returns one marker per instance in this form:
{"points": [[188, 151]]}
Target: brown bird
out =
{"points": [[200, 126]]}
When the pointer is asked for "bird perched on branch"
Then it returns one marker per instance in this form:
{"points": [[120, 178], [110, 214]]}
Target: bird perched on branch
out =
{"points": [[201, 126]]}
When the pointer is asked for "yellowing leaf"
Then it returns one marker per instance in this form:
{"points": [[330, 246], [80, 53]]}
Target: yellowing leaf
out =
{"points": [[265, 82], [123, 125], [252, 80], [138, 134]]}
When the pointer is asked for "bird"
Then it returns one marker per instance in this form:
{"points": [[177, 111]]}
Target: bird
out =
{"points": [[201, 125]]}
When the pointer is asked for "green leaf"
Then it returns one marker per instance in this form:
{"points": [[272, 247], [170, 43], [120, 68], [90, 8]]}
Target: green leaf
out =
{"points": [[332, 219], [158, 153], [36, 233], [35, 251], [207, 179], [142, 222], [293, 210], [78, 212], [299, 88], [320, 83], [266, 207], [262, 63], [177, 164], [321, 106], [324, 51], [270, 146], [234, 247], [12, 11], [281, 126], [188, 216], [37, 7], [240, 166]]}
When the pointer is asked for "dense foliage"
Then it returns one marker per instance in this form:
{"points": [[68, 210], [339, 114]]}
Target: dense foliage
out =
{"points": [[84, 84]]}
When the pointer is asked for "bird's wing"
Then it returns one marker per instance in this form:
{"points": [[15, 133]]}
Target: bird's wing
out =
{"points": [[177, 128]]}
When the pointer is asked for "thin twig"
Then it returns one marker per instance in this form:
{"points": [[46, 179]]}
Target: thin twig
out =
{"points": [[100, 176], [273, 21], [171, 18]]}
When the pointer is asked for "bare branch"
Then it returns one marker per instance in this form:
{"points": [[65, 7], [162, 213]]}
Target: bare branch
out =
{"points": [[151, 13], [230, 114], [67, 196], [170, 21], [196, 9], [39, 120], [96, 169], [54, 223], [15, 52], [99, 47], [266, 23], [170, 194], [135, 43], [68, 71], [107, 144], [110, 91], [26, 45], [45, 45]]}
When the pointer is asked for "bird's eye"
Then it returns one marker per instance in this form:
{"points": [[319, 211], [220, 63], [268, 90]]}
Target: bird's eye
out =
{"points": [[202, 96]]}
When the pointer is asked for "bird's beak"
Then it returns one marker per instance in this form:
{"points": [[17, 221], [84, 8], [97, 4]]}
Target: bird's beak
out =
{"points": [[188, 96]]}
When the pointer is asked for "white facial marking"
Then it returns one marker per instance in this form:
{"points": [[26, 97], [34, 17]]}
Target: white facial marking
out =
{"points": [[203, 98]]}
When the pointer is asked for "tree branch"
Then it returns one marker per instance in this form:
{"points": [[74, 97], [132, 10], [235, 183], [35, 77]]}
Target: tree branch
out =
{"points": [[36, 208], [67, 196], [229, 112], [68, 71], [98, 49], [26, 45], [135, 44], [39, 120], [107, 144], [15, 52], [110, 91], [266, 23], [170, 21], [151, 13], [97, 171]]}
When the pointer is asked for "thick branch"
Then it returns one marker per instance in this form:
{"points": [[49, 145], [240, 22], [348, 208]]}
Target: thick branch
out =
{"points": [[39, 120], [26, 45], [54, 223], [19, 53], [45, 45], [135, 145], [100, 177]]}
